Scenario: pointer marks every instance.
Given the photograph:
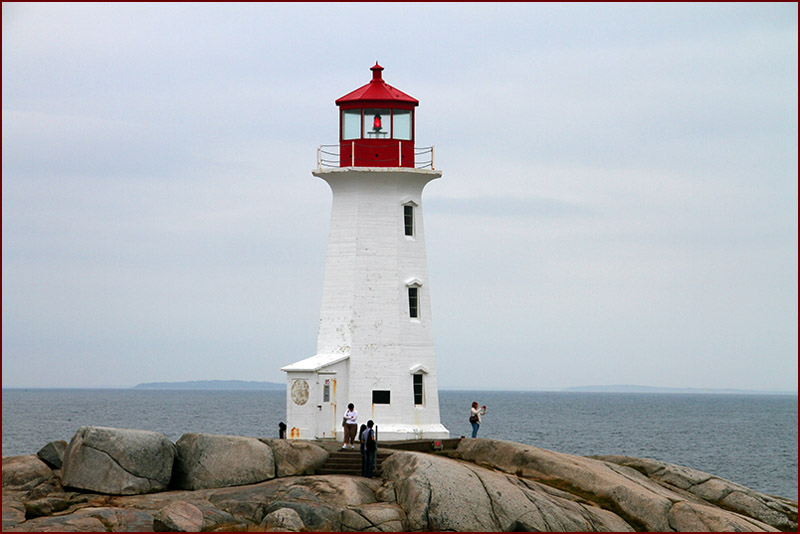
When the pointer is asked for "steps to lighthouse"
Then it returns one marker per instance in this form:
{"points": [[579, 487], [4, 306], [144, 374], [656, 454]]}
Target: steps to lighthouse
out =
{"points": [[348, 462]]}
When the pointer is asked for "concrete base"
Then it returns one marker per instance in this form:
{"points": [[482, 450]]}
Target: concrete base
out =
{"points": [[389, 432]]}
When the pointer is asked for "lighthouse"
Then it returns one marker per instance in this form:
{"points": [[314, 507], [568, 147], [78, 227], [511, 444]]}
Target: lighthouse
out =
{"points": [[375, 340]]}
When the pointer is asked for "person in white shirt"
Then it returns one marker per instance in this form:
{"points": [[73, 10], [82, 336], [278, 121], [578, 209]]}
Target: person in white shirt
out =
{"points": [[350, 425]]}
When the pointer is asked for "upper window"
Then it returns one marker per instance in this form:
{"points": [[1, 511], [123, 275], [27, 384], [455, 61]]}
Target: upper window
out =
{"points": [[408, 219], [377, 123], [351, 124], [413, 302], [402, 124]]}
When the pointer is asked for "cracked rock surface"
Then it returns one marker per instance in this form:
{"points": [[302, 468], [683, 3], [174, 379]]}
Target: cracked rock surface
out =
{"points": [[484, 485], [779, 512], [648, 495]]}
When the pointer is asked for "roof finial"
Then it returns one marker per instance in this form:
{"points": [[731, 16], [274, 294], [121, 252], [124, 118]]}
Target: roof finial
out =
{"points": [[376, 72]]}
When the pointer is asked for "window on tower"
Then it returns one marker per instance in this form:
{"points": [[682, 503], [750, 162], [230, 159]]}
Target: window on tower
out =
{"points": [[408, 216], [417, 389], [381, 396], [413, 302]]}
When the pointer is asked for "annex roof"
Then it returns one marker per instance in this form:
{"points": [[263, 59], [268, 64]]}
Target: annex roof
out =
{"points": [[316, 362]]}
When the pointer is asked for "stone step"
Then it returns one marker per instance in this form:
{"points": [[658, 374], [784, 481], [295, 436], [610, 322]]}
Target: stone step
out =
{"points": [[348, 462]]}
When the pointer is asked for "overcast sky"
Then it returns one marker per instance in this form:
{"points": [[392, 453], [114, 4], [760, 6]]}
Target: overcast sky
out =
{"points": [[618, 202]]}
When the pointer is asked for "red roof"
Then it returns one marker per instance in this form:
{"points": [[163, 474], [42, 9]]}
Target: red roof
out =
{"points": [[377, 90]]}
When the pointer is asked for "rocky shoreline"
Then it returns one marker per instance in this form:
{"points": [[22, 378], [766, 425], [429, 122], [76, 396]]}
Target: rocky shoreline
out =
{"points": [[109, 479]]}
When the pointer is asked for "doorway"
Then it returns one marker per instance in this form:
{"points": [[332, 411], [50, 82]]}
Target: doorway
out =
{"points": [[326, 405]]}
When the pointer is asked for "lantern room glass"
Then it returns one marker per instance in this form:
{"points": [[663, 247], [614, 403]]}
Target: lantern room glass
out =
{"points": [[402, 124], [351, 124], [377, 123]]}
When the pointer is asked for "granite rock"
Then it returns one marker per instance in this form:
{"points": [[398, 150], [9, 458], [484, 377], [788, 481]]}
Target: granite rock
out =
{"points": [[178, 516], [53, 454], [486, 485], [640, 501], [216, 461], [283, 520], [118, 461], [294, 457], [25, 472], [778, 512]]}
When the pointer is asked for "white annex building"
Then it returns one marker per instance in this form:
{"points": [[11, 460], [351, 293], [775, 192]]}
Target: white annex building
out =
{"points": [[375, 341]]}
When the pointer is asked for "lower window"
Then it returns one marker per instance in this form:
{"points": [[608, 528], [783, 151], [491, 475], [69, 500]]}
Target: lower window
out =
{"points": [[380, 396], [418, 389]]}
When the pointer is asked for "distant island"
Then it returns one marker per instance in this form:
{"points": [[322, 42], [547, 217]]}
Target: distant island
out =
{"points": [[230, 385], [649, 389], [212, 384]]}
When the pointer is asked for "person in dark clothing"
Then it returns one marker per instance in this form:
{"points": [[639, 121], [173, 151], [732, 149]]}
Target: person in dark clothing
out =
{"points": [[371, 448], [282, 430], [363, 450]]}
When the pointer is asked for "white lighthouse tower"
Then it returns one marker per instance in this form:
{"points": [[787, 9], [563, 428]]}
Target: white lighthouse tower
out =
{"points": [[375, 340]]}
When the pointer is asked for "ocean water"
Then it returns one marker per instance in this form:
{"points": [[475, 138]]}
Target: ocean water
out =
{"points": [[749, 439]]}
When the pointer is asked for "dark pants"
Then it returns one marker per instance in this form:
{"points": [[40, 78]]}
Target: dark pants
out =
{"points": [[369, 463]]}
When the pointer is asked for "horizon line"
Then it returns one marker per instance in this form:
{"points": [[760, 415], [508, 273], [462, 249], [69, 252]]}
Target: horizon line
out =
{"points": [[568, 389]]}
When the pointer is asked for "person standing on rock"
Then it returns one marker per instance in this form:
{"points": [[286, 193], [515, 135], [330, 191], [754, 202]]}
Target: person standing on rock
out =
{"points": [[350, 426], [371, 448], [475, 417]]}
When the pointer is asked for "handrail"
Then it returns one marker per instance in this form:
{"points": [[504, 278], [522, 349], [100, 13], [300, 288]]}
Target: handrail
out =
{"points": [[329, 155]]}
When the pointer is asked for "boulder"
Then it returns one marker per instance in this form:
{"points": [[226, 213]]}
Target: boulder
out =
{"points": [[283, 520], [215, 461], [178, 516], [118, 461], [293, 457], [775, 511], [641, 502], [53, 453], [25, 472], [439, 494]]}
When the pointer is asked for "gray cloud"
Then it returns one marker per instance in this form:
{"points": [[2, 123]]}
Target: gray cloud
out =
{"points": [[619, 200]]}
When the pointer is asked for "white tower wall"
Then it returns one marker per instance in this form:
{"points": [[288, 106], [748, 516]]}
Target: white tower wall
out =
{"points": [[365, 307]]}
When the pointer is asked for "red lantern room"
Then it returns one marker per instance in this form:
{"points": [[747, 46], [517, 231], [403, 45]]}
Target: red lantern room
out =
{"points": [[376, 125]]}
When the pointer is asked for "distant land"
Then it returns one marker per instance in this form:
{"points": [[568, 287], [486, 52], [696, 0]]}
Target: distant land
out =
{"points": [[649, 389], [211, 384], [260, 386]]}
